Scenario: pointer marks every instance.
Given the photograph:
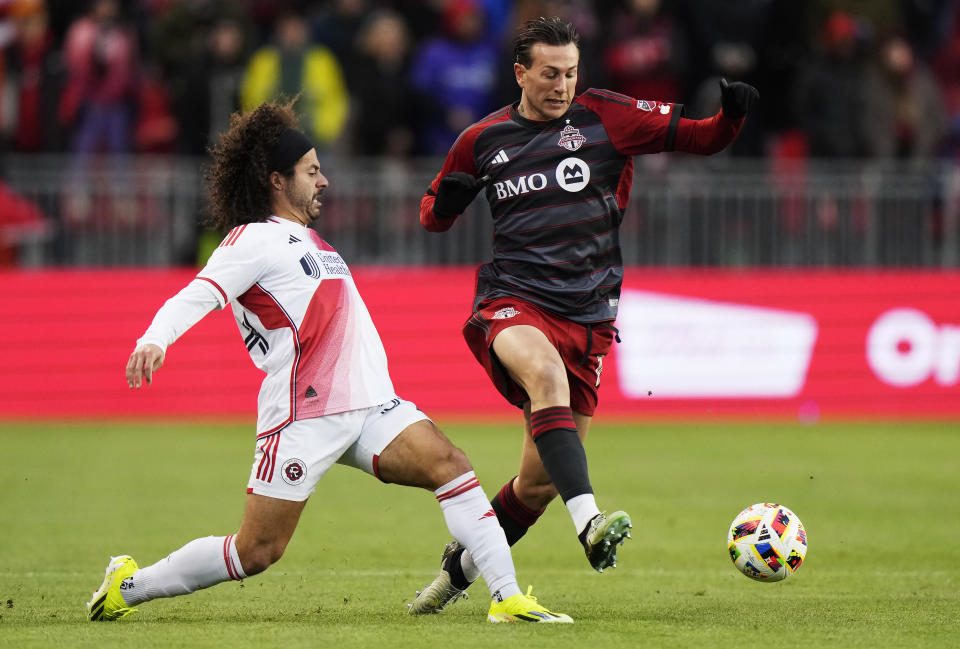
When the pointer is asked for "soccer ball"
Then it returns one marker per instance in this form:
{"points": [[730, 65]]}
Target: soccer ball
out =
{"points": [[767, 542]]}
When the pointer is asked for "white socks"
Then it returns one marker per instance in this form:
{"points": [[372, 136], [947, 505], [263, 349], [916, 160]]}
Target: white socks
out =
{"points": [[472, 522], [199, 564], [582, 510]]}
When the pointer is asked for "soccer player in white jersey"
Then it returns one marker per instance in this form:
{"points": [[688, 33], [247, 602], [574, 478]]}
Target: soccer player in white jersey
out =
{"points": [[327, 397]]}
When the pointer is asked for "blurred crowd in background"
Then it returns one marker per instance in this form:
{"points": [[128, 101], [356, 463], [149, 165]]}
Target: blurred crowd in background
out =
{"points": [[389, 85], [838, 79]]}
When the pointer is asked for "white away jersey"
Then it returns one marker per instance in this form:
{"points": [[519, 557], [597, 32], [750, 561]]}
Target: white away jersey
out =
{"points": [[302, 320]]}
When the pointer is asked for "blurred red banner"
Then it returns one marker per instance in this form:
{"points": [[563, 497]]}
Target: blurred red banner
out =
{"points": [[695, 344]]}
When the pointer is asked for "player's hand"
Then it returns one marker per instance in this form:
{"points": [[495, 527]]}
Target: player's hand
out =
{"points": [[455, 191], [144, 361], [737, 98]]}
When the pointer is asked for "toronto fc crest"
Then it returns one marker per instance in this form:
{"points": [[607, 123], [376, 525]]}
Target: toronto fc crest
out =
{"points": [[506, 312], [570, 138]]}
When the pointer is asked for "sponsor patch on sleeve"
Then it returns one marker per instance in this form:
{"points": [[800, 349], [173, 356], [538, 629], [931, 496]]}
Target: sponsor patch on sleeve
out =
{"points": [[651, 106]]}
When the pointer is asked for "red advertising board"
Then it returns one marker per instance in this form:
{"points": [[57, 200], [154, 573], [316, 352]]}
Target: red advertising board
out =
{"points": [[695, 343]]}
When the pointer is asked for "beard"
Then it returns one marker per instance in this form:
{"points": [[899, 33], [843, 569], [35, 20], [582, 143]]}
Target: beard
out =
{"points": [[304, 204]]}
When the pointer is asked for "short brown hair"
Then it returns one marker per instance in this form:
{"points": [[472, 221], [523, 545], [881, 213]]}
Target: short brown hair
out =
{"points": [[239, 176], [549, 31]]}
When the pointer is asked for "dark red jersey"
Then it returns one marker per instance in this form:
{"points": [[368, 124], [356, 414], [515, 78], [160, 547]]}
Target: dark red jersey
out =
{"points": [[558, 191]]}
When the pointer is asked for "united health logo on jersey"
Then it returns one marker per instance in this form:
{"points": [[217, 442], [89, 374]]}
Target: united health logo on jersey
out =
{"points": [[324, 263]]}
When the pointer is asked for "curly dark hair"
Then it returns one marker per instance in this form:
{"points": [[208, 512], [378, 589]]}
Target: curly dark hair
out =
{"points": [[549, 31], [239, 175]]}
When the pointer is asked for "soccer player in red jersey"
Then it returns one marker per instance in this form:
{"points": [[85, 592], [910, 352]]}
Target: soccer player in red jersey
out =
{"points": [[327, 396], [556, 169]]}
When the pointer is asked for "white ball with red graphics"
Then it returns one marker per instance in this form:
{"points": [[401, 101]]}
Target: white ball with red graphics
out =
{"points": [[767, 542]]}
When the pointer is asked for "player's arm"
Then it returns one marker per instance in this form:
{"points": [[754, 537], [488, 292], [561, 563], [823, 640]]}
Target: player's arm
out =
{"points": [[178, 314], [235, 266], [454, 188], [640, 126], [711, 135]]}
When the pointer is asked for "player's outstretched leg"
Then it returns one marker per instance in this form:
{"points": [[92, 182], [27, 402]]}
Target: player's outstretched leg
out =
{"points": [[201, 563], [602, 536], [107, 603], [524, 608]]}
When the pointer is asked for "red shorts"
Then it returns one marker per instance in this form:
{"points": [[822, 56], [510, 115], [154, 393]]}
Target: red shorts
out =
{"points": [[582, 348]]}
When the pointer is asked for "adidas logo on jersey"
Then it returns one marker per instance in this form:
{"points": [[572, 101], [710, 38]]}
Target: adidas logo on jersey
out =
{"points": [[293, 239], [500, 158]]}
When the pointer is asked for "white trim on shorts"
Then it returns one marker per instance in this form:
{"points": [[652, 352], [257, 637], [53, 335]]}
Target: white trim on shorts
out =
{"points": [[289, 463]]}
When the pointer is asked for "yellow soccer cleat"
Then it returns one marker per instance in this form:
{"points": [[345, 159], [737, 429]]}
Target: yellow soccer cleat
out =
{"points": [[524, 608], [107, 603]]}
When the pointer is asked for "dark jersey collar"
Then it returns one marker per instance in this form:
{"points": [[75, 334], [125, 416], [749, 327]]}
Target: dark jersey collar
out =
{"points": [[540, 126]]}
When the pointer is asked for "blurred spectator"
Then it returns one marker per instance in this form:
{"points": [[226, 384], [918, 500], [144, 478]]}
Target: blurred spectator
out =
{"points": [[21, 222], [947, 70], [98, 101], [830, 93], [32, 82], [904, 120], [292, 65], [644, 52], [903, 113], [927, 24], [211, 88], [454, 75], [337, 27], [497, 14], [385, 119], [155, 127], [173, 32], [726, 38]]}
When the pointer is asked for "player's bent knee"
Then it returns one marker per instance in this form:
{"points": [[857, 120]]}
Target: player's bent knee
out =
{"points": [[457, 462], [422, 457], [546, 380], [535, 494], [258, 558], [447, 463]]}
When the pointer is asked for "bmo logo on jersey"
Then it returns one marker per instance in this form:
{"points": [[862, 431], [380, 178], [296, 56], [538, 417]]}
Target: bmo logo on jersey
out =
{"points": [[572, 174]]}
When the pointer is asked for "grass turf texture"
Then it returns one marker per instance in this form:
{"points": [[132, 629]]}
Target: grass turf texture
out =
{"points": [[879, 502]]}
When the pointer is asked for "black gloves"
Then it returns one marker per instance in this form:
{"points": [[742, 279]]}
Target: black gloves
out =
{"points": [[737, 98], [455, 191]]}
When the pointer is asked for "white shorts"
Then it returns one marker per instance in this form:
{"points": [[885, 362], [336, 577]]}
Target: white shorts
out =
{"points": [[289, 463]]}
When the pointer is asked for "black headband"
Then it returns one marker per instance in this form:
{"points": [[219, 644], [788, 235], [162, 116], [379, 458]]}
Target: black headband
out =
{"points": [[290, 147]]}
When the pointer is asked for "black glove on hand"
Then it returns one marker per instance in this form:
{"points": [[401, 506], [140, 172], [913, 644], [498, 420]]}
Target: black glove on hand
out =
{"points": [[737, 98], [455, 191]]}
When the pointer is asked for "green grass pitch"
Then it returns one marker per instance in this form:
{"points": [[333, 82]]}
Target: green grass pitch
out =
{"points": [[879, 501]]}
